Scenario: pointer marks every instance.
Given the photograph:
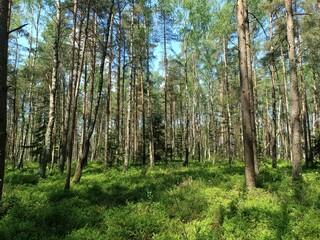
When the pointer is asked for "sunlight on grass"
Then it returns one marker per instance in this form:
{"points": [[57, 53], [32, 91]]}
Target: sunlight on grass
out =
{"points": [[199, 202]]}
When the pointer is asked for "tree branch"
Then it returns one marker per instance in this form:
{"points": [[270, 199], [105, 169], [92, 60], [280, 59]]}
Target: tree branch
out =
{"points": [[259, 23], [17, 29]]}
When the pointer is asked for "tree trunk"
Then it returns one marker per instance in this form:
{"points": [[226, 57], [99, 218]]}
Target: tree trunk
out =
{"points": [[143, 108], [273, 93], [3, 87], [285, 90], [186, 117], [295, 98], [250, 85], [74, 103], [129, 94], [151, 141], [245, 97], [83, 159], [228, 115], [65, 140], [14, 145], [52, 98], [304, 112], [108, 108], [315, 102], [119, 40], [165, 60]]}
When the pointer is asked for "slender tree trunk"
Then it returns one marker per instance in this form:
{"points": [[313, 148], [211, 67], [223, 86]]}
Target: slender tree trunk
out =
{"points": [[165, 60], [151, 138], [65, 140], [273, 93], [62, 149], [285, 89], [22, 131], [250, 84], [266, 127], [228, 115], [193, 123], [149, 96], [4, 6], [143, 109], [124, 97], [129, 95], [295, 98], [245, 97], [83, 159], [106, 140], [119, 40], [304, 112], [186, 117], [173, 127], [198, 135], [134, 117], [315, 102], [74, 103], [52, 98], [14, 149]]}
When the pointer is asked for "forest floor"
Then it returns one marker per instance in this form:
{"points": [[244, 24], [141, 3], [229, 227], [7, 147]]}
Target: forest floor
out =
{"points": [[198, 202]]}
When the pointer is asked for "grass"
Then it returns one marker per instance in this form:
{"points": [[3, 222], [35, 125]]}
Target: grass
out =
{"points": [[198, 202]]}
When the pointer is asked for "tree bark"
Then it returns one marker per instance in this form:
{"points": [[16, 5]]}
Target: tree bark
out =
{"points": [[143, 108], [295, 98], [74, 103], [151, 140], [285, 90], [250, 85], [83, 159], [165, 60], [129, 94], [228, 115], [67, 122], [52, 98], [15, 115], [245, 97], [315, 102], [119, 40], [108, 108], [304, 112], [4, 6], [186, 117], [273, 93]]}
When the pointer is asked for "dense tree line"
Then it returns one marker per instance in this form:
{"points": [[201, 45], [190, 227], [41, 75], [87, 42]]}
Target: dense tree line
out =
{"points": [[236, 80]]}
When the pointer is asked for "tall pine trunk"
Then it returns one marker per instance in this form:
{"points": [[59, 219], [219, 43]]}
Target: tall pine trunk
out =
{"points": [[245, 97], [295, 98]]}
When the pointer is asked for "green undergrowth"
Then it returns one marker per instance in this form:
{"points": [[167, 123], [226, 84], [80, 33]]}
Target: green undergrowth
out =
{"points": [[175, 202]]}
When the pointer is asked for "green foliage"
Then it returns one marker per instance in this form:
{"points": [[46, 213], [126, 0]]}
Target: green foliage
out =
{"points": [[21, 178], [199, 202]]}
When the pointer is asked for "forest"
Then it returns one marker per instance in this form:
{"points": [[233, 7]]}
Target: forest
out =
{"points": [[159, 119]]}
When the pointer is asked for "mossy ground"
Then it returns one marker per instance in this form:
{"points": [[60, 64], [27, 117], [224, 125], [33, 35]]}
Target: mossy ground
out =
{"points": [[174, 202]]}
